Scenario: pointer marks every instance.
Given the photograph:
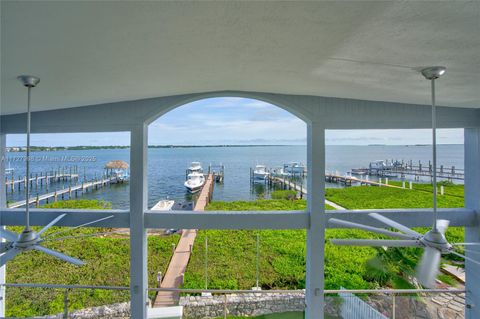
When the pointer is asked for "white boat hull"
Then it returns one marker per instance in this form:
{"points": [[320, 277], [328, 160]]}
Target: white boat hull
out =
{"points": [[194, 187], [260, 176]]}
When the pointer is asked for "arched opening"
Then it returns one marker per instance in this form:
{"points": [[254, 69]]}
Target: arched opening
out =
{"points": [[256, 153], [233, 134]]}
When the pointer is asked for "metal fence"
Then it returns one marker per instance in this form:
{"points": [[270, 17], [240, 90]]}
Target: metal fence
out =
{"points": [[349, 304], [353, 307]]}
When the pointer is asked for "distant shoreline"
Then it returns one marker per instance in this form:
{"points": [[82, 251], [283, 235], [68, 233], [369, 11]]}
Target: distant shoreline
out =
{"points": [[76, 148]]}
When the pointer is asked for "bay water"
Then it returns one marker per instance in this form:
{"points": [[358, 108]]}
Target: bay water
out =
{"points": [[167, 166]]}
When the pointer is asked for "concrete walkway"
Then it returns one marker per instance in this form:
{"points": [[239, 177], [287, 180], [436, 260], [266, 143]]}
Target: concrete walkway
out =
{"points": [[178, 263], [336, 206]]}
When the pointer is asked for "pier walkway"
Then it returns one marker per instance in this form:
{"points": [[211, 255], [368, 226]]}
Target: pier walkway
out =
{"points": [[83, 187], [46, 178], [303, 190], [178, 263]]}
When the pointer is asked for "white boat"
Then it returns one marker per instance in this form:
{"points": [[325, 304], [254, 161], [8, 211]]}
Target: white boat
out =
{"points": [[194, 182], [164, 205], [260, 172], [294, 168], [279, 172], [195, 167]]}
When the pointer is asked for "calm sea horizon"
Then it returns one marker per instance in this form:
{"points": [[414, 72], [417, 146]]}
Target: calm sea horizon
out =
{"points": [[166, 166]]}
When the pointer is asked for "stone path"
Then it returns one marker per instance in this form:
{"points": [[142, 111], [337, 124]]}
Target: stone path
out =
{"points": [[449, 305]]}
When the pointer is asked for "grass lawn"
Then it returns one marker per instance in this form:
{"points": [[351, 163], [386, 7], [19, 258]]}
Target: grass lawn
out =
{"points": [[107, 263], [449, 188], [231, 260], [369, 197], [232, 254]]}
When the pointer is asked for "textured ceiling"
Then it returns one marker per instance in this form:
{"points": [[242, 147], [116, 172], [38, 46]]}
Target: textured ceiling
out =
{"points": [[94, 52]]}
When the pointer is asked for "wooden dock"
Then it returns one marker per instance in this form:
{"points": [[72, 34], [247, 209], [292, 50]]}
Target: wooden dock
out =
{"points": [[70, 191], [349, 180], [40, 179], [302, 190], [329, 177], [178, 263], [218, 172], [416, 170]]}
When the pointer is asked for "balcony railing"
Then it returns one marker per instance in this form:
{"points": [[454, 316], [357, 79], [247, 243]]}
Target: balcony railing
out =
{"points": [[63, 301]]}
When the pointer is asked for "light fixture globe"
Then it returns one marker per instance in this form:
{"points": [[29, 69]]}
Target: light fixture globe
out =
{"points": [[30, 81], [433, 72]]}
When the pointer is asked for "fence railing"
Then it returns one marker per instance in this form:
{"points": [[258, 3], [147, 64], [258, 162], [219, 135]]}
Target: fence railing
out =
{"points": [[346, 304]]}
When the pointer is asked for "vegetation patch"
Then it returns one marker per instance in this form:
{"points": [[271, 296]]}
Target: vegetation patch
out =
{"points": [[370, 197], [284, 194], [232, 254], [107, 264]]}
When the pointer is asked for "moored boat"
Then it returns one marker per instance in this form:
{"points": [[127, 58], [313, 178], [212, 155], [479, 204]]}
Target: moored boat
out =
{"points": [[195, 167], [194, 182], [294, 168], [279, 172], [164, 205], [260, 173]]}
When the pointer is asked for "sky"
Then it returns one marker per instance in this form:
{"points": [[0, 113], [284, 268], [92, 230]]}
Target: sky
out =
{"points": [[237, 121]]}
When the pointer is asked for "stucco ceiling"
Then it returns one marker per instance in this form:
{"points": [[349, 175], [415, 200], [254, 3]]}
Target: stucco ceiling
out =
{"points": [[95, 52]]}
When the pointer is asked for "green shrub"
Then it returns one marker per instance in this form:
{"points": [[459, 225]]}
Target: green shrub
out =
{"points": [[284, 194]]}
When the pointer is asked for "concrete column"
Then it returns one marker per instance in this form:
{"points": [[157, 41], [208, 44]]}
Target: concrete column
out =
{"points": [[138, 233], [316, 232], [3, 204], [472, 232]]}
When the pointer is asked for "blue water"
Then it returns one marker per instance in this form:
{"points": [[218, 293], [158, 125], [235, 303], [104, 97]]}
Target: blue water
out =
{"points": [[166, 167]]}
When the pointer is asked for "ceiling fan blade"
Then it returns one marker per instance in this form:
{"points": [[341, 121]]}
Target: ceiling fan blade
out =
{"points": [[369, 228], [466, 244], [428, 267], [375, 242], [8, 235], [442, 225], [53, 222], [471, 251], [82, 236], [85, 224], [59, 255], [8, 255], [465, 257], [394, 224]]}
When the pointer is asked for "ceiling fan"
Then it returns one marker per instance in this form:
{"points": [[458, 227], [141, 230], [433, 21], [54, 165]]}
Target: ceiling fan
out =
{"points": [[29, 239], [433, 242]]}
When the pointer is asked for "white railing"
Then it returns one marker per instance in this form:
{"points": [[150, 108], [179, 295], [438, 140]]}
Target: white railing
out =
{"points": [[355, 308], [352, 307]]}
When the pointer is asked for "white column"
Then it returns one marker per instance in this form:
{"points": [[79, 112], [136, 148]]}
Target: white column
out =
{"points": [[3, 204], [138, 233], [472, 232], [316, 232]]}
